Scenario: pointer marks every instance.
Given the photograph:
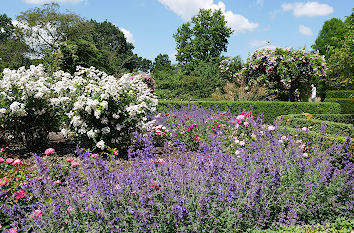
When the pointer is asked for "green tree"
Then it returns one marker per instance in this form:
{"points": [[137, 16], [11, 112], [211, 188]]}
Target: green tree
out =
{"points": [[341, 61], [45, 28], [204, 38], [162, 62], [7, 29], [331, 34]]}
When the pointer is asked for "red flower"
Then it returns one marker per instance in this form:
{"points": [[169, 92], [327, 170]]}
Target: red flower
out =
{"points": [[20, 194]]}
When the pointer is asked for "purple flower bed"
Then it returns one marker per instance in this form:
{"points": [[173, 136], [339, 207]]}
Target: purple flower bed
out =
{"points": [[217, 174]]}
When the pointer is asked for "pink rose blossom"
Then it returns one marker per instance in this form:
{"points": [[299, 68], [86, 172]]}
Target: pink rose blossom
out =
{"points": [[17, 162], [2, 149], [283, 138], [70, 209], [245, 124], [13, 230], [196, 138], [161, 161], [242, 143], [74, 164], [304, 129], [58, 182], [305, 155], [20, 194], [94, 155], [69, 160], [271, 128], [9, 160], [37, 214], [49, 151], [115, 152], [1, 160], [253, 136]]}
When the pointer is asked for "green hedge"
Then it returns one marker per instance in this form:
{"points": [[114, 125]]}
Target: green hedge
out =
{"points": [[270, 109], [340, 94], [340, 118], [347, 104], [332, 128]]}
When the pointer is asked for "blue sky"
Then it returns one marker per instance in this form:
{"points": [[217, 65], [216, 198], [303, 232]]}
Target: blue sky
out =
{"points": [[150, 24]]}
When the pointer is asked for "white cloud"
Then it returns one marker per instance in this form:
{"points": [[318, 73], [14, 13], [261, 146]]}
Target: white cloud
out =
{"points": [[49, 1], [188, 8], [128, 35], [259, 2], [307, 9], [257, 43], [305, 30]]}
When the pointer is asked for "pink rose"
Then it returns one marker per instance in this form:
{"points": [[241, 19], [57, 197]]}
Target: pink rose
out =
{"points": [[17, 162], [20, 194], [37, 214], [49, 151], [69, 160], [115, 152], [9, 160], [304, 129], [245, 124], [94, 155], [196, 138], [1, 160], [74, 164], [70, 209], [305, 155], [271, 128], [242, 143], [2, 149], [13, 230], [58, 182], [161, 161]]}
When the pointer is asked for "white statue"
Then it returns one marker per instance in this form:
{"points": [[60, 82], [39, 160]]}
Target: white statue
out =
{"points": [[313, 93]]}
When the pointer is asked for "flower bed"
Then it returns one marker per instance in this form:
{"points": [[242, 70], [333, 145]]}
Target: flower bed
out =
{"points": [[193, 170]]}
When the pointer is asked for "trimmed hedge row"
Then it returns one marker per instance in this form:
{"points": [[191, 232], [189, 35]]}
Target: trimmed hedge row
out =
{"points": [[347, 104], [340, 94], [270, 109], [333, 128], [340, 118]]}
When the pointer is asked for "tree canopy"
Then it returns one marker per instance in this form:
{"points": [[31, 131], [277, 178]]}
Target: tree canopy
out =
{"points": [[204, 38]]}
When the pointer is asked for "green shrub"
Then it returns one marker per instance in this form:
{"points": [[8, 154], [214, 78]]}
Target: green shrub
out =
{"points": [[270, 109], [340, 118], [333, 128], [340, 94], [346, 103]]}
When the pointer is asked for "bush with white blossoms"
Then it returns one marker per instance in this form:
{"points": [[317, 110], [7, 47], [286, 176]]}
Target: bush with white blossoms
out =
{"points": [[30, 105], [106, 110]]}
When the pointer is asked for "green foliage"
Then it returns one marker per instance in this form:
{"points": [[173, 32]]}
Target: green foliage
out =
{"points": [[286, 73], [175, 84], [12, 54], [331, 34], [269, 109], [204, 38], [341, 61], [347, 104], [340, 94], [162, 62], [340, 118], [7, 29]]}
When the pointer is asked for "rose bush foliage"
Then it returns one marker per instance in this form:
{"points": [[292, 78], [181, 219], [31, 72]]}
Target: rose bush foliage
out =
{"points": [[288, 72]]}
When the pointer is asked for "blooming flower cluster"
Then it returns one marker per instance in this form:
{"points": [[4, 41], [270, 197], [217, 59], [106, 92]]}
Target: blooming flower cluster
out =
{"points": [[288, 72]]}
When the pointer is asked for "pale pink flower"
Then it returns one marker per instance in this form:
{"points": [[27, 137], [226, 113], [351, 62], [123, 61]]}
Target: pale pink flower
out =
{"points": [[253, 136], [9, 160], [37, 214], [58, 182], [237, 152], [271, 128], [67, 202], [74, 164], [161, 161], [69, 160], [17, 162], [49, 151], [283, 137], [94, 155], [305, 155], [245, 124], [69, 209], [1, 160], [2, 149], [304, 129], [13, 230], [242, 143], [115, 152]]}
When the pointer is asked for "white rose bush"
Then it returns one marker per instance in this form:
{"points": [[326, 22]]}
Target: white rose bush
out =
{"points": [[99, 110]]}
